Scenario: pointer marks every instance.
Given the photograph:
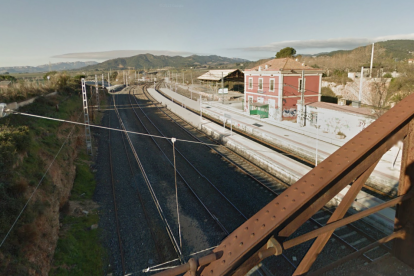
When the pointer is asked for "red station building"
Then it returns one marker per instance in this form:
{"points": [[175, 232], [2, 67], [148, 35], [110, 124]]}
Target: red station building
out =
{"points": [[276, 83]]}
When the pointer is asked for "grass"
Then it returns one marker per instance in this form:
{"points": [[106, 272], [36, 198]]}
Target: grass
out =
{"points": [[79, 251], [26, 173]]}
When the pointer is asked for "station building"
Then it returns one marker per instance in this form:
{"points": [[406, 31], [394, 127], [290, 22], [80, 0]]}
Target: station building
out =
{"points": [[274, 88], [233, 79]]}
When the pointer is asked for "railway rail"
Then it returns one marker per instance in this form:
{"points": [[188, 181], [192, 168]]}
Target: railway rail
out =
{"points": [[366, 188], [349, 236], [121, 251]]}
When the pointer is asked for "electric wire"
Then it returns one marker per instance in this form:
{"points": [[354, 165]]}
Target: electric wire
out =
{"points": [[38, 185], [102, 127], [152, 192]]}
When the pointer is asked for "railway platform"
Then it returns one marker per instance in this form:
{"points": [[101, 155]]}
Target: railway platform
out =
{"points": [[304, 142], [281, 165]]}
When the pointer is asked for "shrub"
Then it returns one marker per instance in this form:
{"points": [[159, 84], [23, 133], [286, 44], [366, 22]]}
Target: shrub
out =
{"points": [[50, 74], [387, 76]]}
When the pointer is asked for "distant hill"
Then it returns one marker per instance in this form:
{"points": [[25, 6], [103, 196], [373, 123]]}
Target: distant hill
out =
{"points": [[151, 61], [60, 66], [400, 49]]}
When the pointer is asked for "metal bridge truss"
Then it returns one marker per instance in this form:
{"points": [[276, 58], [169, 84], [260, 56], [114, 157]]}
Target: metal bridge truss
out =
{"points": [[266, 233]]}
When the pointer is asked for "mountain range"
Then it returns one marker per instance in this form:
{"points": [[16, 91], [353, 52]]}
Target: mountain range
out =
{"points": [[147, 61], [397, 49], [60, 66]]}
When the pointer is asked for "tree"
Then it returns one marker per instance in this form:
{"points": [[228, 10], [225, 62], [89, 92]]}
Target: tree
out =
{"points": [[286, 52]]}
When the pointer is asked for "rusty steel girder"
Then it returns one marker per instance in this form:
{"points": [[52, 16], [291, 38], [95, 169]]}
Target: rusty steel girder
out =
{"points": [[352, 163], [286, 213]]}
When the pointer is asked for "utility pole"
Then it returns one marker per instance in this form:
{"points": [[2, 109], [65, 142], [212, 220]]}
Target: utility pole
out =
{"points": [[86, 119], [372, 60], [302, 99], [97, 91], [222, 85], [360, 84], [103, 81]]}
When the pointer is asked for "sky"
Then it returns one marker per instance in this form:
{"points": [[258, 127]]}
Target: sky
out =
{"points": [[36, 32]]}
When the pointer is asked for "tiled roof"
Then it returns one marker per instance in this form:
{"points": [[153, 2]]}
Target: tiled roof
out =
{"points": [[216, 75], [279, 64]]}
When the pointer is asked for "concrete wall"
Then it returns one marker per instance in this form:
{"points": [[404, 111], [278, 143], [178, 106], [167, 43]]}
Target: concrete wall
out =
{"points": [[333, 121]]}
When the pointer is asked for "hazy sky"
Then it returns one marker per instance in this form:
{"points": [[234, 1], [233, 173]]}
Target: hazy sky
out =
{"points": [[34, 32]]}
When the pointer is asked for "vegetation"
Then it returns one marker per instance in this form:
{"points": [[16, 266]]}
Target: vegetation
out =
{"points": [[7, 78], [286, 52], [79, 246], [27, 146], [22, 90], [49, 74], [339, 76]]}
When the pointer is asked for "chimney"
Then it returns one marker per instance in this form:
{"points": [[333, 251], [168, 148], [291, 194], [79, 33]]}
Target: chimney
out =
{"points": [[266, 66], [260, 68]]}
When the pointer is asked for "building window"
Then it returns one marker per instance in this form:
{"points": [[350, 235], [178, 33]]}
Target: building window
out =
{"points": [[272, 85], [260, 84], [250, 83]]}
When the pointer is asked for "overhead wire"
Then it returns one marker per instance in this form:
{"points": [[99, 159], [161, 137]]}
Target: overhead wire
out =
{"points": [[37, 186], [102, 127]]}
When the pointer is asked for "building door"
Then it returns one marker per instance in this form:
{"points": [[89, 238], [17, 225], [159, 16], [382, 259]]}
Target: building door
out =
{"points": [[272, 110], [249, 102]]}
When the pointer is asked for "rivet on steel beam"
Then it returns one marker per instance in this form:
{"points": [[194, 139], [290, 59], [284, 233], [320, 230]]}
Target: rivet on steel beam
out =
{"points": [[263, 226], [235, 237], [246, 228], [302, 193], [273, 248], [241, 244], [223, 261], [257, 220], [211, 271], [273, 217], [193, 266], [252, 235]]}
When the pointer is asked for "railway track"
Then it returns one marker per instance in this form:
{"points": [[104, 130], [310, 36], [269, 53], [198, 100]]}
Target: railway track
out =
{"points": [[160, 211], [218, 215], [351, 237], [121, 251], [366, 188]]}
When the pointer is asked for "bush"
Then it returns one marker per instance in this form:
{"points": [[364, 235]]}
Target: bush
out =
{"points": [[50, 74], [7, 78], [387, 76], [12, 140]]}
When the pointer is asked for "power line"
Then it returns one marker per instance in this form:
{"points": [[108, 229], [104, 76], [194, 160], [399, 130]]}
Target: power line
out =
{"points": [[34, 191], [102, 127]]}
